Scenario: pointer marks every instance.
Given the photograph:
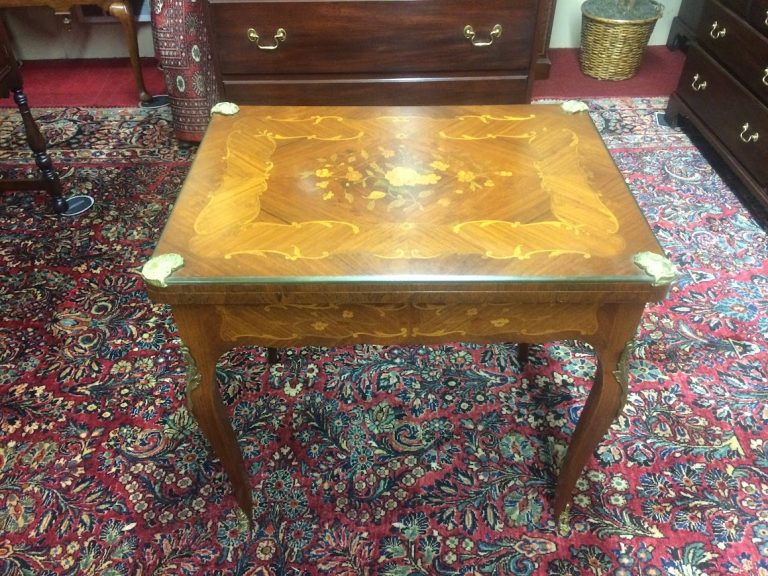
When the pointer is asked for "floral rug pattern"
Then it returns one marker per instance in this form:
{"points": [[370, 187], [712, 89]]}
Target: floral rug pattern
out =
{"points": [[393, 461]]}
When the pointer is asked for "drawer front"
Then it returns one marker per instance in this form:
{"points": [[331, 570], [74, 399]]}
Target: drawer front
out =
{"points": [[739, 47], [389, 36], [327, 90], [738, 6], [738, 118], [758, 15]]}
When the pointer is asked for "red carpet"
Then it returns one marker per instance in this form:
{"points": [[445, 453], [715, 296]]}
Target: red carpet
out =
{"points": [[109, 82], [106, 82], [657, 76]]}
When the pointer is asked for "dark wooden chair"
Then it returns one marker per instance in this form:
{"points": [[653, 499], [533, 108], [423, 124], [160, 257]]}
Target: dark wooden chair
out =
{"points": [[10, 81]]}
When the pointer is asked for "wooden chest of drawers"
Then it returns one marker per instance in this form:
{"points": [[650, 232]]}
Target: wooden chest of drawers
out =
{"points": [[723, 89], [409, 52]]}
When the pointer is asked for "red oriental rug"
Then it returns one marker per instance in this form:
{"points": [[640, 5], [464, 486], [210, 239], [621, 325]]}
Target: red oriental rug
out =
{"points": [[391, 461]]}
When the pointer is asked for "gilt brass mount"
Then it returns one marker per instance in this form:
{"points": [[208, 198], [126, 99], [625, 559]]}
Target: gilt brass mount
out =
{"points": [[158, 268]]}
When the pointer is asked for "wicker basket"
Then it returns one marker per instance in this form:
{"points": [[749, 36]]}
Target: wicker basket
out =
{"points": [[613, 49]]}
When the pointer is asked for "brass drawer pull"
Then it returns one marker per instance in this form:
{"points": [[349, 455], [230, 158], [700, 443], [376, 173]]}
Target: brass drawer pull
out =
{"points": [[696, 85], [280, 36], [715, 33], [765, 76], [469, 33], [751, 138], [766, 17]]}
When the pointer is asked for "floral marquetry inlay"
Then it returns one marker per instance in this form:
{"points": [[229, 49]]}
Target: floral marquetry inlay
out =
{"points": [[274, 325], [395, 181]]}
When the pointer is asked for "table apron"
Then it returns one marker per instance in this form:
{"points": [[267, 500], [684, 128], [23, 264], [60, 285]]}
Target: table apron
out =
{"points": [[531, 293], [284, 325]]}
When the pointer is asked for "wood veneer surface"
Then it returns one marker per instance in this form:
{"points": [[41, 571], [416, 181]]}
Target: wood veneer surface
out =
{"points": [[525, 195]]}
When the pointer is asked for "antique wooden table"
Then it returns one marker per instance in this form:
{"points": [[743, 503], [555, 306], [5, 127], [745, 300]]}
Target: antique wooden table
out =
{"points": [[119, 9], [334, 226]]}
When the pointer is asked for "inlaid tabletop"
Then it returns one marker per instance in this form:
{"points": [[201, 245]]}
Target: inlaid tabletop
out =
{"points": [[520, 193]]}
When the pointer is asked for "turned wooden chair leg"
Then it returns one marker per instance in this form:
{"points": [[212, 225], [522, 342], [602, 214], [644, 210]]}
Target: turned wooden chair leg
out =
{"points": [[50, 178], [11, 81]]}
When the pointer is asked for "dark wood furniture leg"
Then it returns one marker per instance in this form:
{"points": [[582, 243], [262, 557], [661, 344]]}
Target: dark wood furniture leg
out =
{"points": [[50, 181], [124, 14], [672, 114], [522, 354], [10, 79]]}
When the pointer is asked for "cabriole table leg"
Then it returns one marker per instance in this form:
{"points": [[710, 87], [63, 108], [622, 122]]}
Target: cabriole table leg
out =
{"points": [[618, 325], [121, 10], [204, 399]]}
